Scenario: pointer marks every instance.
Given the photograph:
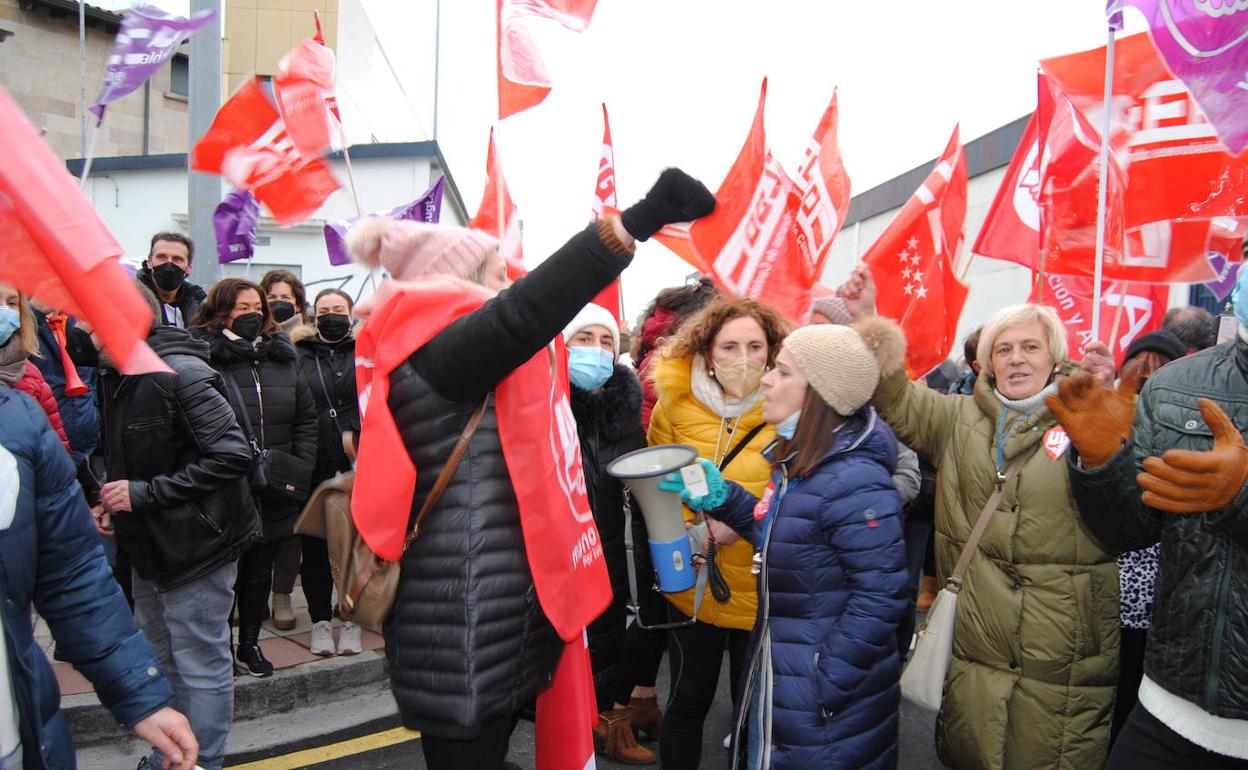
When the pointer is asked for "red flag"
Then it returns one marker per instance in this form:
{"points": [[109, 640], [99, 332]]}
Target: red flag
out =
{"points": [[1176, 175], [248, 145], [604, 203], [54, 247], [1127, 310], [1011, 230], [522, 78], [304, 90], [506, 228], [913, 263], [750, 241], [567, 712], [822, 191]]}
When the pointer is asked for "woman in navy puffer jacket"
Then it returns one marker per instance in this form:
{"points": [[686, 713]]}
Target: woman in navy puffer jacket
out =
{"points": [[822, 688]]}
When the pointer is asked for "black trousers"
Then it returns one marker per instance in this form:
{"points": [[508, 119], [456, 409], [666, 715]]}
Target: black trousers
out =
{"points": [[318, 582], [487, 751], [255, 578], [1147, 744], [696, 654], [639, 665], [1130, 674]]}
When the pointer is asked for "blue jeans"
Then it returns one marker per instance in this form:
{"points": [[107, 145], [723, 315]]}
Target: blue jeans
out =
{"points": [[189, 630]]}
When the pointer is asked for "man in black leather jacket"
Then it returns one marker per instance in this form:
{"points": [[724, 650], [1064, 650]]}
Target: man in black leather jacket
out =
{"points": [[180, 507]]}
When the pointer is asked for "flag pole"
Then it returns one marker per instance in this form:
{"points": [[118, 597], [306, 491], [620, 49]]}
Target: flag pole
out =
{"points": [[1104, 187], [90, 154], [355, 195]]}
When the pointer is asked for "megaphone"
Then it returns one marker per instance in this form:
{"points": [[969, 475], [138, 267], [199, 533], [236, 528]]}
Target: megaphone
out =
{"points": [[641, 471]]}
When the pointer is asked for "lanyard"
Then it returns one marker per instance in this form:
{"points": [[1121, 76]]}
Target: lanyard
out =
{"points": [[1003, 431]]}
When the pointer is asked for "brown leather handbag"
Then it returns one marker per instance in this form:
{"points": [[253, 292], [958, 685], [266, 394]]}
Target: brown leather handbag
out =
{"points": [[366, 582]]}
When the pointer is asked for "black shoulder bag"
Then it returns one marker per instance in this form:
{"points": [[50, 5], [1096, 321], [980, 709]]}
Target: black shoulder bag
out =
{"points": [[279, 473]]}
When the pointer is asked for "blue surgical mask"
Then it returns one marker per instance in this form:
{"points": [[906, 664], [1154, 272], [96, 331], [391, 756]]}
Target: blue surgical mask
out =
{"points": [[10, 321], [1238, 297], [788, 426], [590, 368]]}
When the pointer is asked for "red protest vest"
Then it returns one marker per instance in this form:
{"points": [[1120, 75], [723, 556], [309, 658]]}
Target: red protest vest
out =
{"points": [[539, 440]]}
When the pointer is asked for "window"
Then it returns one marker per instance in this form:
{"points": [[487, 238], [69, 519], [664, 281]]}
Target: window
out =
{"points": [[180, 75]]}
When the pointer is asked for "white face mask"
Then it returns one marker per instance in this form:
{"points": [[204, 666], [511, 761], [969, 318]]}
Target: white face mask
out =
{"points": [[788, 426]]}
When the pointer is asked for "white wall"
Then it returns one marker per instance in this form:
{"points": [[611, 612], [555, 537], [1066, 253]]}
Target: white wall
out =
{"points": [[136, 204]]}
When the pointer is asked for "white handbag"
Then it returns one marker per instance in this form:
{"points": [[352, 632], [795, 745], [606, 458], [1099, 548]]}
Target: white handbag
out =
{"points": [[923, 680]]}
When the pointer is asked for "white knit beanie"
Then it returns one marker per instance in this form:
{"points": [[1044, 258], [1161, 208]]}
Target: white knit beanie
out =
{"points": [[837, 363], [594, 315]]}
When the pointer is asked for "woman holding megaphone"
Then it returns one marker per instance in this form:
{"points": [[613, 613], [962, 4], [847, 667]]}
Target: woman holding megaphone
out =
{"points": [[709, 396], [822, 687]]}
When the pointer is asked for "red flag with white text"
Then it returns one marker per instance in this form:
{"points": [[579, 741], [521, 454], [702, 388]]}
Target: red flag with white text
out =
{"points": [[505, 226], [54, 247], [822, 191], [913, 263], [750, 241], [1127, 310], [605, 202], [304, 91], [249, 145], [522, 77]]}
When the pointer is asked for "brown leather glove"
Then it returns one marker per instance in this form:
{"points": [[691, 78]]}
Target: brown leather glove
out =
{"points": [[1187, 481], [1097, 419]]}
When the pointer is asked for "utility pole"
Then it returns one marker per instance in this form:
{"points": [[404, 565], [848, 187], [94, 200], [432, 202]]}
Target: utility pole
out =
{"points": [[203, 191]]}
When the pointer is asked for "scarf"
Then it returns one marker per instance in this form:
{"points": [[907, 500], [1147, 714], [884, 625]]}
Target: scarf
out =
{"points": [[1031, 404], [12, 360], [542, 453], [713, 397]]}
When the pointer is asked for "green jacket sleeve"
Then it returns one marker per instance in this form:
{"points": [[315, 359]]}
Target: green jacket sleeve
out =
{"points": [[922, 418]]}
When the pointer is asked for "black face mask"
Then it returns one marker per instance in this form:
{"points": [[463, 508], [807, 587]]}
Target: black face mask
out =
{"points": [[168, 276], [247, 326], [333, 326], [282, 310]]}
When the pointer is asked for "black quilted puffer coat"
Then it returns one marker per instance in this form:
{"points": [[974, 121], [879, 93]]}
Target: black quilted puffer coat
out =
{"points": [[279, 406], [1198, 646], [467, 641]]}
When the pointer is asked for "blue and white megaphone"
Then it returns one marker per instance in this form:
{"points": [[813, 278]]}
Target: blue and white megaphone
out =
{"points": [[641, 471]]}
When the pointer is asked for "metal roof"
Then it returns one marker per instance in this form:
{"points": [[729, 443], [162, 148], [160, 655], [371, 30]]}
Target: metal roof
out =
{"points": [[990, 151]]}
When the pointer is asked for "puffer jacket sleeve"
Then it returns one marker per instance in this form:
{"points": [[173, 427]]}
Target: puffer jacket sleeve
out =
{"points": [[467, 359], [660, 431], [82, 604], [907, 475], [737, 511], [223, 451], [303, 436], [1108, 497], [34, 385], [873, 560], [922, 418]]}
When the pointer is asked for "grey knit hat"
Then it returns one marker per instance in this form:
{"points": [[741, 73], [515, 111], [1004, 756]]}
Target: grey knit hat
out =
{"points": [[833, 308], [837, 363]]}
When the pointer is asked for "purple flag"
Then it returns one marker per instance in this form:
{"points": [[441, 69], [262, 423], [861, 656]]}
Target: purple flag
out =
{"points": [[147, 39], [1227, 271], [1205, 44], [426, 208], [234, 223]]}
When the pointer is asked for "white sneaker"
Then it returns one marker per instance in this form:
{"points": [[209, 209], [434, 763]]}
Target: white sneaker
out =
{"points": [[322, 640], [728, 741], [349, 639]]}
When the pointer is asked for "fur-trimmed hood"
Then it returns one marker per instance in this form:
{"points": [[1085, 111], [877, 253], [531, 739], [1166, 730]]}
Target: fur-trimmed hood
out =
{"points": [[614, 410]]}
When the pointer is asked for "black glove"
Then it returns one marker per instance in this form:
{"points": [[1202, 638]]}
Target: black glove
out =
{"points": [[675, 197]]}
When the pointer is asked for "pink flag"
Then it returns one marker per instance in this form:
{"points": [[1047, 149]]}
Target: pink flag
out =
{"points": [[304, 90], [497, 214], [522, 77]]}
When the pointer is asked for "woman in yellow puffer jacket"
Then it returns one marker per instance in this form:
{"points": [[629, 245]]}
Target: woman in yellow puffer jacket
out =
{"points": [[707, 378]]}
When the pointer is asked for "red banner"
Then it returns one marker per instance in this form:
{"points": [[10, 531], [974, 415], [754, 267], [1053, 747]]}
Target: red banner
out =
{"points": [[304, 90], [506, 228], [522, 78], [822, 190], [1127, 310], [605, 202], [913, 263], [248, 145]]}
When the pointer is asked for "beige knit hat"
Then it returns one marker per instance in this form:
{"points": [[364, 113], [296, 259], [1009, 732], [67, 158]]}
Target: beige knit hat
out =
{"points": [[837, 363]]}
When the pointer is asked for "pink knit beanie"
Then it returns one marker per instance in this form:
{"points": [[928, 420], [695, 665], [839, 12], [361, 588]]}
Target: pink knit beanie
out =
{"points": [[411, 250]]}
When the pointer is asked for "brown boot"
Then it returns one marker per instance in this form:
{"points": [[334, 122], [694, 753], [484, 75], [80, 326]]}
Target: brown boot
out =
{"points": [[645, 717], [613, 736], [927, 593]]}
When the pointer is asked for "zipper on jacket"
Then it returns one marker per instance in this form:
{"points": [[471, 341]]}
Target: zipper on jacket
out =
{"points": [[255, 375], [1219, 629]]}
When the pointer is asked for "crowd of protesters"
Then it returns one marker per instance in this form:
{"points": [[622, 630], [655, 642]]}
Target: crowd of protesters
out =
{"points": [[1101, 619]]}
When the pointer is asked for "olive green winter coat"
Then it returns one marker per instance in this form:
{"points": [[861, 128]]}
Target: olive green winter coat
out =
{"points": [[1035, 650]]}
